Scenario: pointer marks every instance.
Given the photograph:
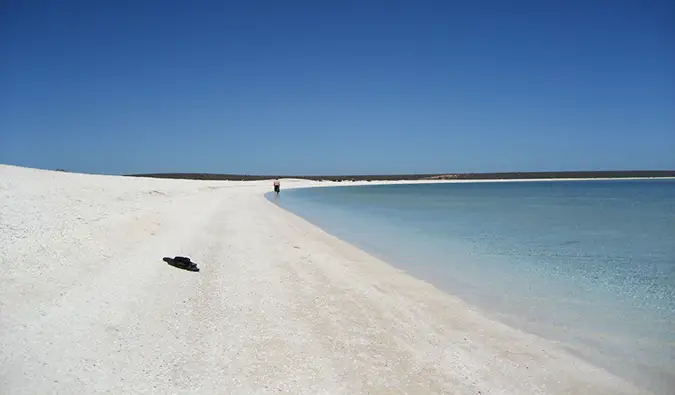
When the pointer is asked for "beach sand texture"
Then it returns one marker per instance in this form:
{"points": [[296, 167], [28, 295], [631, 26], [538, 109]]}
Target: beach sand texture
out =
{"points": [[87, 306]]}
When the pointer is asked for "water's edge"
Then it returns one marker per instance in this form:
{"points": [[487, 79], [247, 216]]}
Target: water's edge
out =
{"points": [[485, 312], [571, 348]]}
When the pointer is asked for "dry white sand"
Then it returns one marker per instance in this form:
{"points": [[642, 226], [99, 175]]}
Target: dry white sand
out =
{"points": [[87, 305]]}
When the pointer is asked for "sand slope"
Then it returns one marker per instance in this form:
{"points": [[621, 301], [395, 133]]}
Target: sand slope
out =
{"points": [[88, 306]]}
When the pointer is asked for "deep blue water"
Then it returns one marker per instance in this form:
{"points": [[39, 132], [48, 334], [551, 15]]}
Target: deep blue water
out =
{"points": [[588, 263]]}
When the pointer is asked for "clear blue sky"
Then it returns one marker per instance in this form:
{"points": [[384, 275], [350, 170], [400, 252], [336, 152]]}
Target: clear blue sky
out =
{"points": [[335, 87]]}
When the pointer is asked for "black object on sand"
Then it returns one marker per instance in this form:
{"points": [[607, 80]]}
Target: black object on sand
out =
{"points": [[182, 262]]}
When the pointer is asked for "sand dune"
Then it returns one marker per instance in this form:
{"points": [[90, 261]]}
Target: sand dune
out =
{"points": [[87, 305]]}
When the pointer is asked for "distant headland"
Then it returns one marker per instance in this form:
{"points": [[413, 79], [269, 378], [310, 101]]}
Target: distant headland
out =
{"points": [[437, 176]]}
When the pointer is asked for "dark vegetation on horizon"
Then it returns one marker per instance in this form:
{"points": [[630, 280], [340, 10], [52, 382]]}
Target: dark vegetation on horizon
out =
{"points": [[444, 176]]}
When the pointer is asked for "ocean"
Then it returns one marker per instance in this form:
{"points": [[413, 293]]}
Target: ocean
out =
{"points": [[588, 264]]}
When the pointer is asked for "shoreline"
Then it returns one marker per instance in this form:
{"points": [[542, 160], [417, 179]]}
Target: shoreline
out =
{"points": [[279, 306], [571, 348], [562, 349]]}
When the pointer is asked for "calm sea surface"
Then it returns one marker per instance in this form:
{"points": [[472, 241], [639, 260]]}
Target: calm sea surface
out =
{"points": [[590, 264]]}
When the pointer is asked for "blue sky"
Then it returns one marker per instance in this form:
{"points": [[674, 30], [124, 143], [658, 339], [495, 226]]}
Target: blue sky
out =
{"points": [[337, 87]]}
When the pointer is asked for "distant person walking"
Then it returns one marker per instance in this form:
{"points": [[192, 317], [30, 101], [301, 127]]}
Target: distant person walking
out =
{"points": [[277, 186]]}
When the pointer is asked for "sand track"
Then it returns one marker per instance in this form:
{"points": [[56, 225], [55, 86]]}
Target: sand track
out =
{"points": [[88, 306]]}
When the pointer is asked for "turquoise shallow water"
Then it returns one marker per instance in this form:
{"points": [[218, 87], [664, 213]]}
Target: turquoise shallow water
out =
{"points": [[590, 264]]}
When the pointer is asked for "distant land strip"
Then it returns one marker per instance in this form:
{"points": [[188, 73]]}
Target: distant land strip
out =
{"points": [[439, 176]]}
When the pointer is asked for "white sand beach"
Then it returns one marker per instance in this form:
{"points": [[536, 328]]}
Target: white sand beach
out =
{"points": [[87, 306]]}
